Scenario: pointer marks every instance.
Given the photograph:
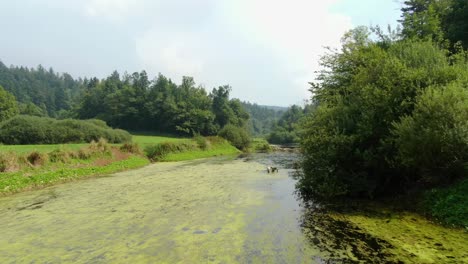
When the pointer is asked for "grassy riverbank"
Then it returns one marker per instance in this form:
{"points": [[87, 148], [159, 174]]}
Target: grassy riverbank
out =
{"points": [[24, 171], [25, 167]]}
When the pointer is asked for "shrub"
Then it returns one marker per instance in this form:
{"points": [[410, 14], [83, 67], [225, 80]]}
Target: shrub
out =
{"points": [[101, 146], [42, 130], [263, 147], [202, 142], [449, 205], [159, 151], [84, 153], [131, 148], [237, 136], [8, 162], [59, 155], [36, 158], [282, 136], [433, 141], [216, 140]]}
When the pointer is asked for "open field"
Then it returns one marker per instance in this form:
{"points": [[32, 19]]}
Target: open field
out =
{"points": [[22, 149], [143, 141]]}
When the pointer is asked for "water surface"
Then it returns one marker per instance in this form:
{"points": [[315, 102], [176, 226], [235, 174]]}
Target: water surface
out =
{"points": [[218, 210], [221, 210]]}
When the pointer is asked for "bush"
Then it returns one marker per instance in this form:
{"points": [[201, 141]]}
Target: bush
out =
{"points": [[59, 155], [36, 158], [202, 142], [84, 153], [433, 141], [449, 205], [131, 148], [8, 162], [159, 151], [41, 130], [237, 136], [282, 136]]}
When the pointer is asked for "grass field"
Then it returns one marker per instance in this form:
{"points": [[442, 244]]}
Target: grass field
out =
{"points": [[21, 149], [143, 141]]}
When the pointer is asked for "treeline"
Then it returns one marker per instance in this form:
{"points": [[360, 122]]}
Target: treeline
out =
{"points": [[133, 102], [262, 118], [287, 129], [40, 92], [392, 109]]}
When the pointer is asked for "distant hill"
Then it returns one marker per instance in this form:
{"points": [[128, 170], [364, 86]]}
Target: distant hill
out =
{"points": [[276, 108], [262, 117]]}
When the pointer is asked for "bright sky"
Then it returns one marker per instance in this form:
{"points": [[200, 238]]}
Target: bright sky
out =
{"points": [[267, 50]]}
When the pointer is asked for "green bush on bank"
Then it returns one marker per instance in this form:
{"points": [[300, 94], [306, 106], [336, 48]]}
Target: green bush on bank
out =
{"points": [[21, 130], [159, 151], [237, 136], [449, 205]]}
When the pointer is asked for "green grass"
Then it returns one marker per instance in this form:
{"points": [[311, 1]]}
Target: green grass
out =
{"points": [[18, 181], [140, 139], [144, 141], [218, 149], [21, 149], [259, 145]]}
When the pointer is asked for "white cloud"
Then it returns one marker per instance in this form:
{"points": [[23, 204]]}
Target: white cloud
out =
{"points": [[266, 49], [173, 54], [114, 10]]}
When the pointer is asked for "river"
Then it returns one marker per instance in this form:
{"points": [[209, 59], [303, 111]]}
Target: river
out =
{"points": [[220, 210]]}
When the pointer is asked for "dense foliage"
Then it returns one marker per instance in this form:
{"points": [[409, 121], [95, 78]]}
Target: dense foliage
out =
{"points": [[40, 91], [130, 102], [392, 114], [23, 130], [237, 136], [8, 105], [136, 103], [262, 118], [287, 129], [444, 21]]}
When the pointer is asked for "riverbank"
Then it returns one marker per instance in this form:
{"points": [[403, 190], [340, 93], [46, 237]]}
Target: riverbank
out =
{"points": [[37, 166], [36, 170]]}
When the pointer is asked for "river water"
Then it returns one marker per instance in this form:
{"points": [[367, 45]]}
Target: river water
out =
{"points": [[221, 210]]}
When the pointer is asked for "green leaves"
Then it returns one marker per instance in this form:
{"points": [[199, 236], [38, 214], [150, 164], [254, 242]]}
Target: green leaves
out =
{"points": [[388, 119], [8, 105]]}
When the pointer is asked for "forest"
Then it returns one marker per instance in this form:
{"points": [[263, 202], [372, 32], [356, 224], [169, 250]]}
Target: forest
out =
{"points": [[133, 102]]}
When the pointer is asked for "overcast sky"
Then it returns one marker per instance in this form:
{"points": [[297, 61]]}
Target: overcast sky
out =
{"points": [[267, 50]]}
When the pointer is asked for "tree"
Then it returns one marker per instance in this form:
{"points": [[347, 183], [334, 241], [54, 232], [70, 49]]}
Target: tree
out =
{"points": [[348, 141], [439, 20], [8, 105]]}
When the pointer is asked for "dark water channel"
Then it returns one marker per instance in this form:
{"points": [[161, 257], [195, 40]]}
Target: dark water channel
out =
{"points": [[220, 210]]}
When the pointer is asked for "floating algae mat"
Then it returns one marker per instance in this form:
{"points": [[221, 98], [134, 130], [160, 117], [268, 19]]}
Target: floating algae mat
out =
{"points": [[219, 210]]}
